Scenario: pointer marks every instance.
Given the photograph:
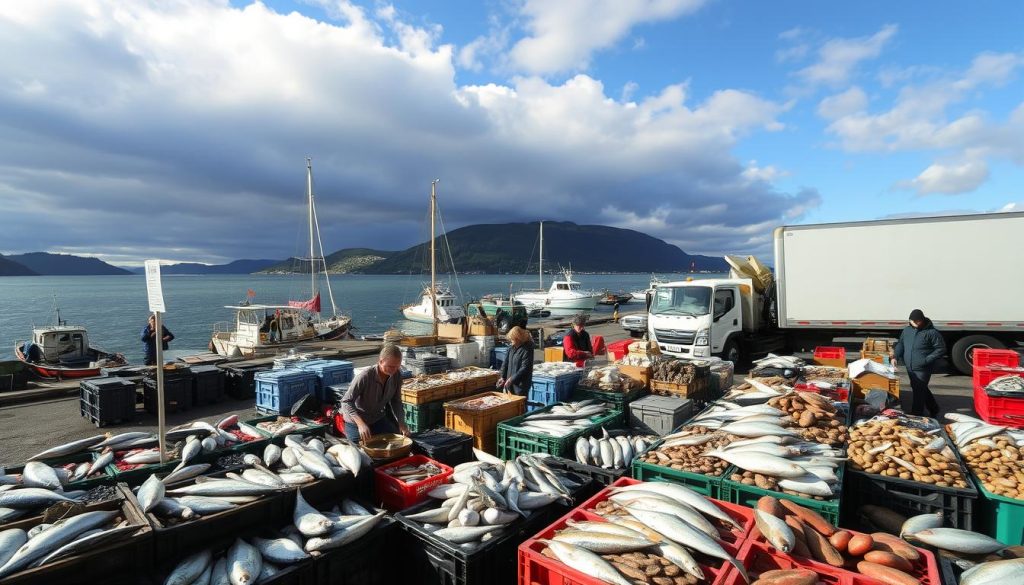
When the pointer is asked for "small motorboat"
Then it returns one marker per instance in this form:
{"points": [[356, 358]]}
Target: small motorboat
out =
{"points": [[611, 298], [62, 351]]}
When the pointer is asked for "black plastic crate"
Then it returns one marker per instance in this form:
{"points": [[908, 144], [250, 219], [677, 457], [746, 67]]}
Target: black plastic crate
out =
{"points": [[207, 385], [599, 476], [948, 570], [177, 394], [444, 445], [107, 401], [240, 383], [369, 560], [909, 498]]}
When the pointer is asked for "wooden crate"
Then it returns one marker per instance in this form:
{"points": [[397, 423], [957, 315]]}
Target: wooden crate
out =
{"points": [[875, 356], [481, 382], [482, 424], [455, 389], [642, 374], [554, 354], [417, 341], [877, 345], [696, 390], [868, 381]]}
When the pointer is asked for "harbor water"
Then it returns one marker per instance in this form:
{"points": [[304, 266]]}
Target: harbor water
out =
{"points": [[113, 308]]}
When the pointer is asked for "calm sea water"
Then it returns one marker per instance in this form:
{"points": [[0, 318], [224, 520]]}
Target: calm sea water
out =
{"points": [[114, 308]]}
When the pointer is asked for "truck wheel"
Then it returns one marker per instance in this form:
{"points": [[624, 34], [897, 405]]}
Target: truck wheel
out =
{"points": [[962, 353], [635, 334], [731, 352]]}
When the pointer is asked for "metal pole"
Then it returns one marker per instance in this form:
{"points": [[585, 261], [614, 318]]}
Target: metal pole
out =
{"points": [[433, 275], [309, 192], [161, 422], [541, 261]]}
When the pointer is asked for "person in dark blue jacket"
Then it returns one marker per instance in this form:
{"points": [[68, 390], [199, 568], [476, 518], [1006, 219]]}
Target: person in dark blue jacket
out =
{"points": [[919, 347], [149, 339], [517, 369]]}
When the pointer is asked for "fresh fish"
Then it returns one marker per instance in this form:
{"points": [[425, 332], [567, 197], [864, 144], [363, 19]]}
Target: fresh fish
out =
{"points": [[183, 433], [777, 532], [280, 550], [61, 533], [959, 541], [143, 457], [348, 456], [81, 471], [263, 477], [307, 519], [205, 506], [101, 462], [189, 569], [658, 503], [757, 429], [209, 445], [227, 487], [434, 516], [29, 498], [121, 438], [316, 445], [9, 514], [249, 430], [10, 541], [583, 450], [460, 503], [68, 448], [512, 498], [267, 572], [760, 463], [150, 493], [38, 529], [244, 563], [627, 450], [353, 508], [219, 574], [680, 531], [602, 542], [586, 562], [271, 454], [342, 537], [183, 473], [205, 576], [533, 501], [495, 517], [315, 465], [994, 573], [193, 447], [87, 542], [227, 422], [296, 478], [40, 475], [463, 534], [921, 522], [808, 484], [172, 508]]}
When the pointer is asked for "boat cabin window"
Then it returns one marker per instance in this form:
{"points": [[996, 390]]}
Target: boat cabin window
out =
{"points": [[563, 286], [574, 286]]}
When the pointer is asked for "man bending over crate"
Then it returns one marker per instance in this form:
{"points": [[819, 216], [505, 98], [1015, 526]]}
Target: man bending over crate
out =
{"points": [[373, 403]]}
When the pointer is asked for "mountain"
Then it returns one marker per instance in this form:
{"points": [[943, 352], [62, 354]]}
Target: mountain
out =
{"points": [[341, 262], [65, 264], [512, 247], [9, 267], [236, 267]]}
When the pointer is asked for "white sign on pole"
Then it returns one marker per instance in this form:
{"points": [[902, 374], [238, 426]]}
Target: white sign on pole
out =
{"points": [[153, 287]]}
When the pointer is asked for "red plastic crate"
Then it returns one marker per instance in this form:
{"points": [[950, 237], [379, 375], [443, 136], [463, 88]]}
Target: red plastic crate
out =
{"points": [[830, 356], [396, 495], [838, 394], [926, 569], [619, 349], [998, 410], [983, 375], [996, 357], [534, 567], [758, 559]]}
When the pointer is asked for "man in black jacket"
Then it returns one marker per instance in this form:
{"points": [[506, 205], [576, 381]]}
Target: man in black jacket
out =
{"points": [[919, 347]]}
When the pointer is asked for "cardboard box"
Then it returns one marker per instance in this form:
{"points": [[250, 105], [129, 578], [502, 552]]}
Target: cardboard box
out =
{"points": [[554, 354], [478, 326], [868, 381], [451, 331]]}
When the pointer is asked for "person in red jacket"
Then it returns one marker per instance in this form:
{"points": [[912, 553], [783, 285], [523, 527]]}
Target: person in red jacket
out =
{"points": [[577, 345]]}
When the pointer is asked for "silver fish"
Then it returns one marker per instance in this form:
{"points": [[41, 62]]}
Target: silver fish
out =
{"points": [[226, 487], [345, 536], [271, 454], [88, 542], [29, 498], [263, 477], [307, 519], [959, 541], [463, 534], [143, 457], [603, 543], [9, 514], [249, 430], [209, 445], [348, 456], [68, 448], [280, 550], [205, 506], [172, 508], [244, 563], [62, 532], [183, 473], [189, 569], [994, 573], [315, 465], [102, 461], [777, 532], [150, 493], [40, 475], [586, 562], [680, 531], [921, 522], [121, 438], [760, 463], [219, 574], [433, 516], [10, 541]]}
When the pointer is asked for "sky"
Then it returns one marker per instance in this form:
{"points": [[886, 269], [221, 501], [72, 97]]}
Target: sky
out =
{"points": [[179, 129]]}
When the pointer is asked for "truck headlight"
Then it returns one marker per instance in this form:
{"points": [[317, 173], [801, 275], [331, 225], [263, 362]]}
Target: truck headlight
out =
{"points": [[702, 337]]}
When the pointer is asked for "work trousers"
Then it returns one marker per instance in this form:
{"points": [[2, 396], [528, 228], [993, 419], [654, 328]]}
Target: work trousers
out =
{"points": [[922, 396], [384, 425]]}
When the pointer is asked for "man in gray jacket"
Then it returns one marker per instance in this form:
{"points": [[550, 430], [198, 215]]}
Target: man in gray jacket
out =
{"points": [[919, 347], [373, 403]]}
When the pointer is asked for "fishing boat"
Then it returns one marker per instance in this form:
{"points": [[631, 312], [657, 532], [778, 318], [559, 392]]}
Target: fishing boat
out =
{"points": [[564, 295], [62, 351], [610, 298], [641, 295], [437, 303], [260, 328]]}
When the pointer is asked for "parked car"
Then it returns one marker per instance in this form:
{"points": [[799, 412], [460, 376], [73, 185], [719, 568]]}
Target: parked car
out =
{"points": [[635, 324]]}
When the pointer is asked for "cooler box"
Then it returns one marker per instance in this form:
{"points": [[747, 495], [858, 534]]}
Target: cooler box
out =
{"points": [[498, 355], [659, 415], [278, 390], [207, 385], [328, 373]]}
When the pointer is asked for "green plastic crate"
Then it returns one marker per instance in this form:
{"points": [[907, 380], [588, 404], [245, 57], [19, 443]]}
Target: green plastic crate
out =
{"points": [[735, 492], [1000, 517], [619, 399], [137, 476], [513, 442], [311, 428], [85, 484], [707, 485], [422, 417]]}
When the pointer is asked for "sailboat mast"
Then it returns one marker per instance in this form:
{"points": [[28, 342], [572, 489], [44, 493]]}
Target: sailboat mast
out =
{"points": [[309, 192], [541, 270], [433, 273]]}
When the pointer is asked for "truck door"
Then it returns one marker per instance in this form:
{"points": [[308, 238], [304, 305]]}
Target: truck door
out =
{"points": [[725, 317]]}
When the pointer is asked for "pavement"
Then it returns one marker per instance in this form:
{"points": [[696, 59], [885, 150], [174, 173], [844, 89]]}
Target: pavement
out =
{"points": [[53, 419]]}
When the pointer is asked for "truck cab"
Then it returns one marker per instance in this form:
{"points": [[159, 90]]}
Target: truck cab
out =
{"points": [[701, 318]]}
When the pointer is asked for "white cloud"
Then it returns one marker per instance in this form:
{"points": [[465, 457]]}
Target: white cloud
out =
{"points": [[195, 117], [951, 179], [767, 174], [838, 58], [562, 36], [849, 102]]}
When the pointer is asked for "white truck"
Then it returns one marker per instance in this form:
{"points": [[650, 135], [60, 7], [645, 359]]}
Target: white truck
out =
{"points": [[860, 278]]}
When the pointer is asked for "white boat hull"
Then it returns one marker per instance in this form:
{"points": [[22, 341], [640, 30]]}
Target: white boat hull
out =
{"points": [[233, 345], [582, 303]]}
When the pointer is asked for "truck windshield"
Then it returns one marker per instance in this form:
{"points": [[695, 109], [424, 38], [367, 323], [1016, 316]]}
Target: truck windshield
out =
{"points": [[682, 300]]}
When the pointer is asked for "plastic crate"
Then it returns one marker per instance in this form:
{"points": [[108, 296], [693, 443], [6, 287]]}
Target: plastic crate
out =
{"points": [[619, 399], [951, 573], [107, 401], [659, 415], [207, 385], [748, 495], [82, 457], [177, 394], [1000, 517], [830, 356], [758, 559], [909, 498], [240, 383], [598, 475], [421, 417], [513, 442], [618, 349], [444, 445], [550, 390], [278, 390], [983, 375], [482, 424], [498, 355], [396, 494], [984, 356], [998, 410], [369, 560], [328, 373], [707, 485], [309, 428]]}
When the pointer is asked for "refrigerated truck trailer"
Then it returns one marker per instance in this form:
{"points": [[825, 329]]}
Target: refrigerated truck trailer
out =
{"points": [[966, 272]]}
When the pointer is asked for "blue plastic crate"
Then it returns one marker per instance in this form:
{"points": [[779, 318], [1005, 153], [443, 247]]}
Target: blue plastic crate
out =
{"points": [[498, 355], [278, 390], [549, 390], [329, 373]]}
